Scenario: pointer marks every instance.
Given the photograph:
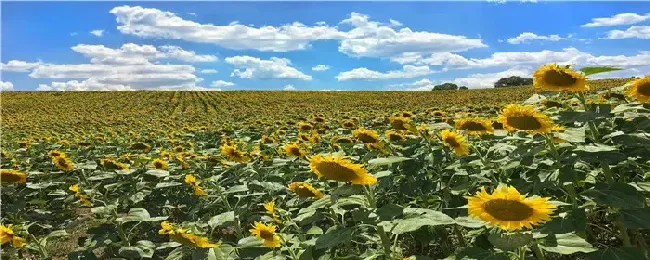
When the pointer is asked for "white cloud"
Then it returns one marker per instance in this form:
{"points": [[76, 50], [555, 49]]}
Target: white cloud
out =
{"points": [[131, 53], [407, 71], [420, 85], [529, 36], [221, 83], [251, 67], [486, 80], [98, 33], [74, 34], [366, 38], [6, 85], [209, 71], [18, 66], [395, 23], [289, 87], [320, 68], [619, 19], [640, 32]]}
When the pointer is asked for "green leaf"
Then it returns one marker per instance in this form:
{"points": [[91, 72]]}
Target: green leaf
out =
{"points": [[161, 185], [222, 218], [430, 218], [636, 218], [236, 189], [334, 237], [566, 244], [104, 176], [157, 173], [479, 254], [133, 252], [272, 186], [469, 222], [251, 241], [139, 214], [618, 253], [617, 195], [315, 230], [509, 242], [374, 163], [224, 252], [595, 70]]}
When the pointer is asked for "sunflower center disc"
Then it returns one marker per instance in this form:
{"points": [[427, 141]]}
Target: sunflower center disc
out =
{"points": [[524, 122], [559, 78], [367, 139], [472, 126], [10, 178], [334, 171], [398, 124], [304, 191], [644, 89], [294, 151], [508, 210], [266, 235], [451, 141]]}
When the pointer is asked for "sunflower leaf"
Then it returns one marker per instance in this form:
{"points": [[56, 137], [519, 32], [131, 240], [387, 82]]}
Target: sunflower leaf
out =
{"points": [[620, 253], [595, 70]]}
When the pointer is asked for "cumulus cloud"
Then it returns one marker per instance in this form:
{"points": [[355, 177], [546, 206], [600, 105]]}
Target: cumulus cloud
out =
{"points": [[486, 80], [320, 68], [18, 66], [256, 68], [618, 19], [209, 71], [365, 38], [289, 87], [420, 85], [221, 83], [6, 85], [407, 71], [529, 36], [640, 32], [131, 53], [98, 33]]}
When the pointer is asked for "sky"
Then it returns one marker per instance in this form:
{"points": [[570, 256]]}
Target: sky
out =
{"points": [[327, 46]]}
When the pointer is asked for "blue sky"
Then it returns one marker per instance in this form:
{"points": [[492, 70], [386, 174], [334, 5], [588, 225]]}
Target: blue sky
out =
{"points": [[310, 45]]}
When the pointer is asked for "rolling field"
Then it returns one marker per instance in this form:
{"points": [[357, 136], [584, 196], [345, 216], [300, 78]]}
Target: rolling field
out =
{"points": [[511, 173]]}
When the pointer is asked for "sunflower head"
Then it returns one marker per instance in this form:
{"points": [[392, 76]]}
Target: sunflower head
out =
{"points": [[340, 168], [7, 235], [266, 233], [55, 153], [552, 77], [507, 209], [304, 126], [366, 136], [12, 176], [349, 124], [455, 141], [293, 149], [159, 164], [113, 165], [400, 123], [525, 118], [640, 89], [394, 136], [140, 146], [304, 190], [233, 154], [476, 126], [63, 163], [267, 140]]}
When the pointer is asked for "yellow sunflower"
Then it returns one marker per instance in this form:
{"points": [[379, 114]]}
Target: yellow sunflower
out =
{"points": [[475, 126], [293, 149], [113, 165], [509, 210], [266, 233], [394, 136], [349, 124], [12, 176], [303, 126], [140, 146], [455, 141], [340, 168], [270, 209], [640, 89], [7, 235], [63, 163], [83, 198], [159, 164], [366, 136], [517, 117], [233, 154], [184, 237], [400, 123], [305, 190], [267, 140], [552, 77], [56, 153], [198, 191]]}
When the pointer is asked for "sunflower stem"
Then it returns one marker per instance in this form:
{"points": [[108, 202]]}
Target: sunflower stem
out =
{"points": [[607, 171], [623, 230], [40, 247], [461, 237], [538, 253], [522, 253], [385, 241], [240, 233], [552, 147]]}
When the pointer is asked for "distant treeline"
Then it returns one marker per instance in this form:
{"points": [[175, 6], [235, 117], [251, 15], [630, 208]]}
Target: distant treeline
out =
{"points": [[513, 81]]}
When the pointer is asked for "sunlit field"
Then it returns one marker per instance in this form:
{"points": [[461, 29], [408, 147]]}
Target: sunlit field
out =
{"points": [[556, 171]]}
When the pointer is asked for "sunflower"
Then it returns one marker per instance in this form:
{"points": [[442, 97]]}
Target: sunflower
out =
{"points": [[56, 153], [113, 165], [140, 146], [394, 136], [509, 210], [159, 164], [12, 176], [198, 191], [266, 233], [293, 149], [303, 126], [270, 209], [4, 154], [178, 148], [640, 89], [233, 154], [340, 168], [305, 190], [63, 163], [184, 237], [517, 117], [267, 140], [475, 126], [83, 198], [7, 235], [455, 141], [366, 136], [349, 124], [552, 77], [400, 123]]}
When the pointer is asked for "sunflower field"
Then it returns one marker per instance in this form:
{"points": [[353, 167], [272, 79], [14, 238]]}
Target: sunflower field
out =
{"points": [[557, 170]]}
